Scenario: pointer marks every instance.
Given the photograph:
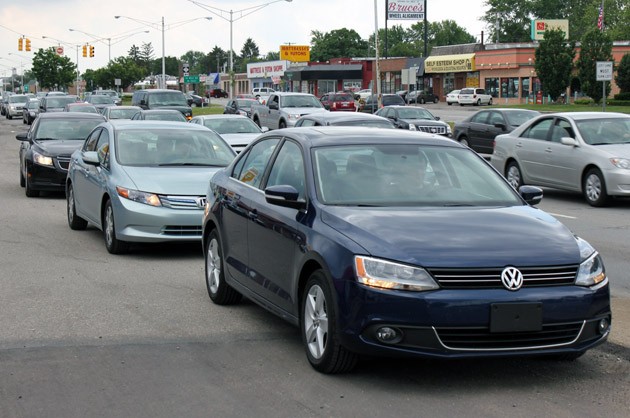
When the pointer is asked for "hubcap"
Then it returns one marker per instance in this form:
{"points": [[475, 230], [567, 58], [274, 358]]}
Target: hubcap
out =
{"points": [[213, 266], [593, 187], [316, 322], [514, 176], [109, 226]]}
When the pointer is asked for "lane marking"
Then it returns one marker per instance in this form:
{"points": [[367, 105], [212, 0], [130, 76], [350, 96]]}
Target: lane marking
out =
{"points": [[562, 216]]}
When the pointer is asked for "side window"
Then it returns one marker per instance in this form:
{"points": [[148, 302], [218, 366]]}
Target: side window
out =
{"points": [[256, 162], [236, 171], [480, 117], [562, 129], [308, 122], [538, 130], [90, 144], [288, 168], [102, 148], [496, 117]]}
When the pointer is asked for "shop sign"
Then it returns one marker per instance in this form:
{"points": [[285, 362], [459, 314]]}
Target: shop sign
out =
{"points": [[295, 53], [266, 69], [450, 63], [405, 9]]}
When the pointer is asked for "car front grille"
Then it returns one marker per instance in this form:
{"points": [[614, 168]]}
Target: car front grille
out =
{"points": [[438, 130], [490, 278], [64, 162], [183, 202], [483, 339], [182, 230]]}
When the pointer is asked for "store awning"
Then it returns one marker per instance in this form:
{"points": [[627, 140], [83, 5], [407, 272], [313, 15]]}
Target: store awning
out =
{"points": [[450, 63]]}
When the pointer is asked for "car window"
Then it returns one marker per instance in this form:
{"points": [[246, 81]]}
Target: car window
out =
{"points": [[603, 131], [496, 117], [90, 144], [288, 168], [256, 161], [538, 130], [480, 117], [561, 129], [102, 148]]}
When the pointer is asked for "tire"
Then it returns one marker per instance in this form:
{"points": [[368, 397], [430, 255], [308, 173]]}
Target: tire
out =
{"points": [[435, 100], [282, 125], [219, 291], [513, 175], [594, 188], [463, 140], [112, 243], [421, 100], [490, 102], [9, 116], [478, 102], [449, 103], [28, 189], [319, 329], [257, 122], [461, 104], [75, 222], [22, 179]]}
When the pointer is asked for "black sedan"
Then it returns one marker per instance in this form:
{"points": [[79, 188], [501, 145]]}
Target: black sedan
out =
{"points": [[239, 107], [390, 242], [415, 119], [371, 103], [479, 130], [46, 148]]}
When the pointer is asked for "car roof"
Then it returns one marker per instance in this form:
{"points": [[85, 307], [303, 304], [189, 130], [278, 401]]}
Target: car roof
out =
{"points": [[127, 124], [316, 136], [159, 110], [221, 116], [72, 115], [340, 116], [588, 115]]}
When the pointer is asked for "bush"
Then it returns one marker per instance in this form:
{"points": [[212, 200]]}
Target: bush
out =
{"points": [[623, 96], [618, 102], [584, 101]]}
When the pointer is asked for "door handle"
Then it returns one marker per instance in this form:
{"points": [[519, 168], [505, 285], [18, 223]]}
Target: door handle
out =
{"points": [[547, 149]]}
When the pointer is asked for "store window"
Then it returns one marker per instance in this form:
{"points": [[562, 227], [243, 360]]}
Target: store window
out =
{"points": [[509, 87], [492, 87], [353, 85], [525, 90], [326, 86]]}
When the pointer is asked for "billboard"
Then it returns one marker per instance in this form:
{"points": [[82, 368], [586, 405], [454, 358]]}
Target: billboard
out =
{"points": [[295, 53], [405, 9], [541, 25]]}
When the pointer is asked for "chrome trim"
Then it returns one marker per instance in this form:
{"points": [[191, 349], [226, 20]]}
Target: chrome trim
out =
{"points": [[600, 285], [511, 349]]}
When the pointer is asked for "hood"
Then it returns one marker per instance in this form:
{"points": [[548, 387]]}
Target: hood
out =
{"points": [[184, 109], [458, 237], [615, 150], [189, 181], [239, 139], [303, 110], [425, 122], [54, 109], [59, 147]]}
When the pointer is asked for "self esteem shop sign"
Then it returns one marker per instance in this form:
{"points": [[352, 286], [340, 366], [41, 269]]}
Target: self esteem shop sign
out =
{"points": [[405, 10]]}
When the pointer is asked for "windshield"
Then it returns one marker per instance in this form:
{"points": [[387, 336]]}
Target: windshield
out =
{"points": [[300, 101], [172, 147], [414, 113], [408, 175], [18, 98], [175, 98], [101, 99], [66, 129], [370, 123], [518, 117], [115, 113], [232, 126], [245, 104], [605, 131], [174, 116]]}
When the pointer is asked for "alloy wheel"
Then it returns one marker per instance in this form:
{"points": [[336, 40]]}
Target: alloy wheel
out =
{"points": [[316, 322]]}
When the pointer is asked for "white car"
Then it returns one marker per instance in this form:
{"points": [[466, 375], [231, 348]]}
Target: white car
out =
{"points": [[236, 130], [474, 96], [452, 97], [364, 94]]}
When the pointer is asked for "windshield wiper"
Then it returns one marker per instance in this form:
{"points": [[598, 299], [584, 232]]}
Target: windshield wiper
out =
{"points": [[188, 164]]}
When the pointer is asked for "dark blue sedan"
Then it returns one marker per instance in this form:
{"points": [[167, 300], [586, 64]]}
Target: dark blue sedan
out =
{"points": [[387, 242]]}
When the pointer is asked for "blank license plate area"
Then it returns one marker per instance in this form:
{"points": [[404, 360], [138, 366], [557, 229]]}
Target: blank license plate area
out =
{"points": [[515, 317]]}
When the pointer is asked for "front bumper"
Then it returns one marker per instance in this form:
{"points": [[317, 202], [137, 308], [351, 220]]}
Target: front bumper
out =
{"points": [[48, 178], [457, 323]]}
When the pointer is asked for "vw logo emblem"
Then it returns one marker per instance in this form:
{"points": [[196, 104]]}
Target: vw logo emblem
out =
{"points": [[201, 202], [512, 278]]}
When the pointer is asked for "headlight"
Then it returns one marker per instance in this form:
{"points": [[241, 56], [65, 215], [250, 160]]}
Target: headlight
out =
{"points": [[412, 127], [591, 271], [621, 163], [448, 129], [42, 159], [140, 197], [294, 117], [387, 275]]}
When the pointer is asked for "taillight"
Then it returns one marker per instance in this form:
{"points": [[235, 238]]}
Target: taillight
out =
{"points": [[334, 106]]}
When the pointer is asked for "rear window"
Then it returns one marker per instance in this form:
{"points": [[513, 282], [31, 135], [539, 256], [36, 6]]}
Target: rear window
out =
{"points": [[467, 91], [342, 97]]}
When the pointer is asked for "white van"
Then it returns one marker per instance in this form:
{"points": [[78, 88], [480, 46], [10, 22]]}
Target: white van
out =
{"points": [[262, 91]]}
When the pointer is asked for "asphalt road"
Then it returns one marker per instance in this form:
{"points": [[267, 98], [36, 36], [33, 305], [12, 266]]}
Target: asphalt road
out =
{"points": [[87, 334]]}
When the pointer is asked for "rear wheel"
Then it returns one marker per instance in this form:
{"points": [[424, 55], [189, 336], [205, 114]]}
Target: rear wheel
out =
{"points": [[219, 291], [463, 140], [282, 124], [319, 328], [422, 100], [594, 188], [435, 100], [478, 102], [74, 221], [513, 175], [112, 243], [490, 102]]}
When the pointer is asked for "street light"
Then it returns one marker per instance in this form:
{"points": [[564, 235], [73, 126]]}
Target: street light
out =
{"points": [[244, 12], [69, 44], [160, 26], [109, 40], [21, 69]]}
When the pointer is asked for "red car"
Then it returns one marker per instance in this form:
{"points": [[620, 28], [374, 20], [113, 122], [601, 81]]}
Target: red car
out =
{"points": [[338, 102], [216, 93]]}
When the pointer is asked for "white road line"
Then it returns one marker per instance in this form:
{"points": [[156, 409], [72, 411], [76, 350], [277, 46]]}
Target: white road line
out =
{"points": [[562, 216]]}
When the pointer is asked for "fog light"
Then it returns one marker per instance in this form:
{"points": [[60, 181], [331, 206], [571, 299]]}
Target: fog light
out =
{"points": [[604, 326], [388, 335]]}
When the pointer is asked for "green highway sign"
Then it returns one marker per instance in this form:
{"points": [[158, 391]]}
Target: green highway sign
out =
{"points": [[193, 79]]}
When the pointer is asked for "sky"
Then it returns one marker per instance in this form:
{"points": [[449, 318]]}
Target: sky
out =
{"points": [[271, 26]]}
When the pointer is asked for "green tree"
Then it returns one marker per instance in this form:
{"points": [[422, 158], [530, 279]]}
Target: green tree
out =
{"points": [[335, 44], [596, 46], [250, 50], [623, 74], [53, 71], [272, 56], [216, 59], [509, 21], [195, 60], [554, 62]]}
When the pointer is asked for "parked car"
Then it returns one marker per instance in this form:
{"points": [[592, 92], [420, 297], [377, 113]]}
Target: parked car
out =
{"points": [[415, 119], [46, 148], [143, 181], [162, 99], [587, 152], [56, 102], [344, 119], [218, 93], [451, 97], [363, 94], [120, 112], [160, 114], [80, 107], [474, 96], [111, 93], [30, 111], [195, 100], [421, 97], [338, 102], [4, 102], [262, 91], [371, 103], [237, 130], [14, 106], [100, 101], [389, 242], [239, 107], [479, 130]]}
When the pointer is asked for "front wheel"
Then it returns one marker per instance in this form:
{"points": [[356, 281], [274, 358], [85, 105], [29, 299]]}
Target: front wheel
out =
{"points": [[219, 291], [513, 175], [319, 328], [112, 243], [490, 102], [435, 100], [282, 125], [463, 140], [28, 188], [594, 188]]}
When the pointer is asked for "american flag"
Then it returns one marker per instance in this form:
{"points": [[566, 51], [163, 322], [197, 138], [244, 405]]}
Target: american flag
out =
{"points": [[600, 18]]}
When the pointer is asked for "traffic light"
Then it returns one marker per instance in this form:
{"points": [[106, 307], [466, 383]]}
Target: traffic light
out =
{"points": [[20, 43], [28, 44], [84, 51], [91, 51]]}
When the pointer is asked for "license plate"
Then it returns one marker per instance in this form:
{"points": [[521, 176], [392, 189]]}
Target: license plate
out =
{"points": [[515, 317]]}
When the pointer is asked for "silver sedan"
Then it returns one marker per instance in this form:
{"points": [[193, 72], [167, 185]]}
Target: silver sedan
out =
{"points": [[586, 152]]}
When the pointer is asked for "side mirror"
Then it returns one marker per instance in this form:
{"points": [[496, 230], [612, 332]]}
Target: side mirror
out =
{"points": [[500, 126], [22, 136], [284, 195], [437, 118], [273, 106], [531, 194], [91, 158], [567, 140]]}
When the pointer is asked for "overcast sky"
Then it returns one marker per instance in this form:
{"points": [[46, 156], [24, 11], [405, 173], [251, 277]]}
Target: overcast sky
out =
{"points": [[274, 25]]}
